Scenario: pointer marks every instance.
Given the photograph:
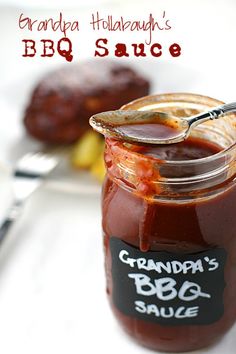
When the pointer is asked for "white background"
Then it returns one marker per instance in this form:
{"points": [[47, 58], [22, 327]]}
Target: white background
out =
{"points": [[52, 292]]}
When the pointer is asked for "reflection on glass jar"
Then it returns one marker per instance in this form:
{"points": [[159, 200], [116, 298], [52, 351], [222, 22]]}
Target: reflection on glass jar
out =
{"points": [[169, 231]]}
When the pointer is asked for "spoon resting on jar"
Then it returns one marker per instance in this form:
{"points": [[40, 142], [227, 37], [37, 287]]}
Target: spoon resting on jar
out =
{"points": [[160, 128]]}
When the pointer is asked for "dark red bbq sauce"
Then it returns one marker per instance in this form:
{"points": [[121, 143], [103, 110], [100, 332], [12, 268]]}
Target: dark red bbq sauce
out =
{"points": [[151, 131], [183, 228], [190, 149]]}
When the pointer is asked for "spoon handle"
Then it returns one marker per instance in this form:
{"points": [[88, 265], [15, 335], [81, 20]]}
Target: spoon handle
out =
{"points": [[213, 113]]}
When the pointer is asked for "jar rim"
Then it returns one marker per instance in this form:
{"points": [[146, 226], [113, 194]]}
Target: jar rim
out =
{"points": [[206, 159]]}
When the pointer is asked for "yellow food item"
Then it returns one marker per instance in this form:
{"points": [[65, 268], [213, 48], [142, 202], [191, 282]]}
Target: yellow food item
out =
{"points": [[87, 150], [98, 168]]}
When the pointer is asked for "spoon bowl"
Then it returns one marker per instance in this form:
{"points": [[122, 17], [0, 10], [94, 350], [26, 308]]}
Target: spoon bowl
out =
{"points": [[160, 128]]}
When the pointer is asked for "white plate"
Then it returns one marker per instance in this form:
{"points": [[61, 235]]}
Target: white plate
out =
{"points": [[165, 77]]}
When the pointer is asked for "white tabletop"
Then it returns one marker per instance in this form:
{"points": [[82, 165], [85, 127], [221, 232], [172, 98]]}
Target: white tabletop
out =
{"points": [[52, 286]]}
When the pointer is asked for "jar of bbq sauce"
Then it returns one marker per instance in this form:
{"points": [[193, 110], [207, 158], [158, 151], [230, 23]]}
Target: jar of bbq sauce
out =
{"points": [[169, 226]]}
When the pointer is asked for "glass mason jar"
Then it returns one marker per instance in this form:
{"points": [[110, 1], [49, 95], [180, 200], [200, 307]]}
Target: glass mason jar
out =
{"points": [[169, 234]]}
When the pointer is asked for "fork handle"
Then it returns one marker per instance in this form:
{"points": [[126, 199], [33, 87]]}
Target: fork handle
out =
{"points": [[9, 220]]}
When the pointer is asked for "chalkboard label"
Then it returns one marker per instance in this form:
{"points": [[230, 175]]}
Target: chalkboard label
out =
{"points": [[167, 288]]}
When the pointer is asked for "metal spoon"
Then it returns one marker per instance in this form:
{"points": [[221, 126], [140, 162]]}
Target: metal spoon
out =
{"points": [[160, 128]]}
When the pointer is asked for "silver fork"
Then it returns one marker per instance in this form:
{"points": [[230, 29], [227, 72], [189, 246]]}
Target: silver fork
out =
{"points": [[28, 175]]}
